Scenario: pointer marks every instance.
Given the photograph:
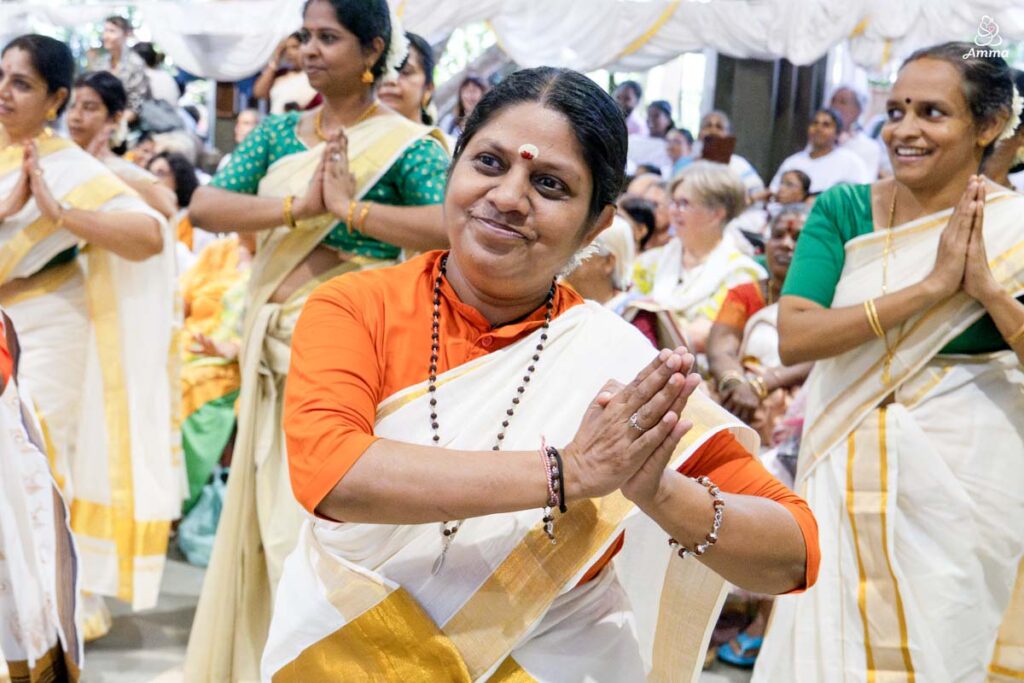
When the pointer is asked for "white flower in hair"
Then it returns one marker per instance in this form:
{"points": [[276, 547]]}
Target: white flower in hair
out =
{"points": [[397, 50], [1016, 108]]}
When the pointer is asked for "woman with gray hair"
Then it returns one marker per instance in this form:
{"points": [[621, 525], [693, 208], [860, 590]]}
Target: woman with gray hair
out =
{"points": [[604, 272], [686, 285]]}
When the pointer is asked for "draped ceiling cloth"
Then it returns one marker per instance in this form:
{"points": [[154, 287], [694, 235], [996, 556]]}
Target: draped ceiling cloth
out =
{"points": [[231, 39]]}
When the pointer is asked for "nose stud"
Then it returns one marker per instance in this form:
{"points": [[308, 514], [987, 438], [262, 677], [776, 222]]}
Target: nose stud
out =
{"points": [[528, 151]]}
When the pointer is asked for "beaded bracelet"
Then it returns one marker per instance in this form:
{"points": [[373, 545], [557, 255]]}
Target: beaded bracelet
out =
{"points": [[559, 474], [719, 504]]}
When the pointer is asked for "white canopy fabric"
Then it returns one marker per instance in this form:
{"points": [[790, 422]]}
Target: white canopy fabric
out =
{"points": [[630, 35], [231, 39]]}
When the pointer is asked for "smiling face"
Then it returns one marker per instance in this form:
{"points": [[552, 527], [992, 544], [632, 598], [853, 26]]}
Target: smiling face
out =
{"points": [[930, 133], [781, 243], [24, 100], [514, 223], [87, 115], [332, 57], [409, 92], [822, 133]]}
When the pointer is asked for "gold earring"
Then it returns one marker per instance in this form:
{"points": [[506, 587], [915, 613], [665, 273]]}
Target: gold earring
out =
{"points": [[367, 76], [426, 100], [51, 115]]}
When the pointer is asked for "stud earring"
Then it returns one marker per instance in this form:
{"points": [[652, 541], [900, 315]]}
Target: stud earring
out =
{"points": [[367, 76]]}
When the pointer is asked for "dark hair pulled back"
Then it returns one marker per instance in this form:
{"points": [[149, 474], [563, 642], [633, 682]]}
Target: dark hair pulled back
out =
{"points": [[593, 115], [185, 181], [51, 59], [108, 87], [421, 47], [366, 20], [986, 80]]}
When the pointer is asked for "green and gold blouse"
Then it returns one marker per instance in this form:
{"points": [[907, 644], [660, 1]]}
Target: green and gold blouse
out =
{"points": [[417, 178]]}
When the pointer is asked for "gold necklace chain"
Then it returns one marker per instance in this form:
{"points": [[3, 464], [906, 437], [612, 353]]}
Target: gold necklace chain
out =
{"points": [[319, 119], [887, 367]]}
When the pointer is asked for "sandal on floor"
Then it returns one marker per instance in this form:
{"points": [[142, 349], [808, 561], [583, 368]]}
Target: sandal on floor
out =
{"points": [[749, 647]]}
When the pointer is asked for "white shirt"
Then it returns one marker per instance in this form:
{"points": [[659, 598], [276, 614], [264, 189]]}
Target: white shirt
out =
{"points": [[162, 86], [838, 166], [868, 149]]}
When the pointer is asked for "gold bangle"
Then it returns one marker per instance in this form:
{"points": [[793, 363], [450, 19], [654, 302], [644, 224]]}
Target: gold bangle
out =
{"points": [[759, 385], [289, 217], [361, 221], [352, 204], [729, 378], [1016, 337], [873, 320]]}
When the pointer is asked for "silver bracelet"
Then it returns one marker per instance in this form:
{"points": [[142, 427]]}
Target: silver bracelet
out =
{"points": [[719, 504]]}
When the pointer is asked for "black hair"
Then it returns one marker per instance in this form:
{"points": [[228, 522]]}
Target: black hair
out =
{"points": [[832, 114], [149, 54], [1018, 82], [805, 180], [686, 134], [51, 59], [119, 22], [366, 20], [642, 211], [635, 87], [419, 44], [193, 111], [986, 80], [665, 108], [108, 87], [460, 111], [645, 169], [595, 119], [185, 181]]}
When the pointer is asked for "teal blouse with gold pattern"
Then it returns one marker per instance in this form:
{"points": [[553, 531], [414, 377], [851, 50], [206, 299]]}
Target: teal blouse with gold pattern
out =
{"points": [[416, 179]]}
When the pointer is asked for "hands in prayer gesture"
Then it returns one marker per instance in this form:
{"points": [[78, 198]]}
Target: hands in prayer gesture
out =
{"points": [[332, 186], [608, 453], [962, 262], [31, 183]]}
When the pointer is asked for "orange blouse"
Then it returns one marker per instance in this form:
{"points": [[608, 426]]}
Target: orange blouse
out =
{"points": [[364, 336]]}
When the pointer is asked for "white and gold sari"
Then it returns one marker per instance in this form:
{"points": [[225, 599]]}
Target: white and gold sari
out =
{"points": [[96, 335], [679, 297], [38, 564], [261, 518], [920, 500], [360, 601]]}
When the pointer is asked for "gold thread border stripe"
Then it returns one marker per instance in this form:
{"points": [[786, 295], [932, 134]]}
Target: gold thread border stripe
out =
{"points": [[646, 36]]}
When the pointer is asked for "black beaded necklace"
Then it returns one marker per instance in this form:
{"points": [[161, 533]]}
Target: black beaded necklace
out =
{"points": [[448, 532]]}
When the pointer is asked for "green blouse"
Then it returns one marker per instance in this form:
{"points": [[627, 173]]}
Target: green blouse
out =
{"points": [[417, 178], [839, 215]]}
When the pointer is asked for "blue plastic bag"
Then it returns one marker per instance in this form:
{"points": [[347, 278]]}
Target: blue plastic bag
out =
{"points": [[199, 527]]}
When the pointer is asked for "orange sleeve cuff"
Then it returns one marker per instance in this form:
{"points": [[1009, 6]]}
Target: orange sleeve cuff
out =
{"points": [[312, 489]]}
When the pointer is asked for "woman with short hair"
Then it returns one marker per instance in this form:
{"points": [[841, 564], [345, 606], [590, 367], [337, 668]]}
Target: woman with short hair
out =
{"points": [[824, 160], [685, 286]]}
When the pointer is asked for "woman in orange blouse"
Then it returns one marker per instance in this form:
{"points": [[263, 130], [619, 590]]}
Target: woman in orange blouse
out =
{"points": [[467, 385], [743, 347]]}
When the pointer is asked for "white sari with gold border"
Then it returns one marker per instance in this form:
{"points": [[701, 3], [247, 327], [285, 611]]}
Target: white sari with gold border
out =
{"points": [[38, 563], [359, 601], [919, 502], [261, 519], [96, 336]]}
